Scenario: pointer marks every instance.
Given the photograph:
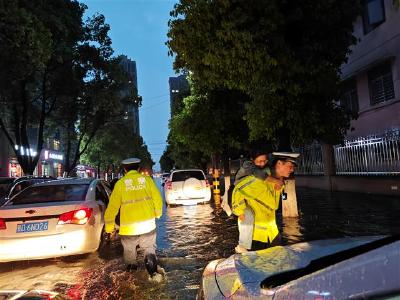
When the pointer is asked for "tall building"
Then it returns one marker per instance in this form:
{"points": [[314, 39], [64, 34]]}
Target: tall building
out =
{"points": [[178, 89], [372, 72], [131, 107]]}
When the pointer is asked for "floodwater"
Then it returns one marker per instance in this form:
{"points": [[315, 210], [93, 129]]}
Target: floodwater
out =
{"points": [[189, 237]]}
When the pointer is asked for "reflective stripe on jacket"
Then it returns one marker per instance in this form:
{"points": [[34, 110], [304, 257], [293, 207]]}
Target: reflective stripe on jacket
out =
{"points": [[262, 197], [139, 201]]}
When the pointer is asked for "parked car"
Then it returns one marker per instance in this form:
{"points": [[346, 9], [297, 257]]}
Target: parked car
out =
{"points": [[187, 187], [10, 186], [347, 268], [53, 218], [164, 177]]}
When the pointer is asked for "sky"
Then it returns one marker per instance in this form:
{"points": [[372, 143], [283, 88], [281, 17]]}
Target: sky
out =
{"points": [[138, 29]]}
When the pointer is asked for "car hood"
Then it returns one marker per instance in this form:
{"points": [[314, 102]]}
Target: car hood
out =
{"points": [[243, 273]]}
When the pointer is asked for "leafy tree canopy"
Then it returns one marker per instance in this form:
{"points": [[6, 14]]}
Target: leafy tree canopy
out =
{"points": [[209, 123], [286, 55], [56, 73], [114, 143]]}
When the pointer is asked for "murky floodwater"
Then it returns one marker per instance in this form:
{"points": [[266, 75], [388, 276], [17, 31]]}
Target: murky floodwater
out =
{"points": [[189, 237]]}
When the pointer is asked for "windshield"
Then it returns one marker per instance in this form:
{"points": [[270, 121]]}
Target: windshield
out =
{"points": [[183, 175], [5, 184], [51, 193]]}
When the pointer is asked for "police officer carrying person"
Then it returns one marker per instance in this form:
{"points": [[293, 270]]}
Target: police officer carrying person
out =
{"points": [[263, 197], [139, 201]]}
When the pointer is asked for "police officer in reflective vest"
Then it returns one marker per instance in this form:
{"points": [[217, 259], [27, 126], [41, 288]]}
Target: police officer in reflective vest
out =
{"points": [[263, 196], [139, 201]]}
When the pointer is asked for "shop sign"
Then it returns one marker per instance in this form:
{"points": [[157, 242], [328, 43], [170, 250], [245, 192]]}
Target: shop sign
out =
{"points": [[52, 155]]}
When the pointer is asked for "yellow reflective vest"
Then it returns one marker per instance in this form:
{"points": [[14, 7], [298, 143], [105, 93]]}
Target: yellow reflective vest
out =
{"points": [[262, 197], [139, 201]]}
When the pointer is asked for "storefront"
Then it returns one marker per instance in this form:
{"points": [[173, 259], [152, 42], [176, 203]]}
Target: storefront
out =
{"points": [[84, 171], [50, 163], [14, 169]]}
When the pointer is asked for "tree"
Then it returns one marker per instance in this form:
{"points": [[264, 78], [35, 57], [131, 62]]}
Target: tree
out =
{"points": [[286, 55], [114, 143], [210, 124], [98, 104], [166, 161], [45, 53]]}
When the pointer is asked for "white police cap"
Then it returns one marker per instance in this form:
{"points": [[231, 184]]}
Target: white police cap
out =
{"points": [[131, 161], [286, 156]]}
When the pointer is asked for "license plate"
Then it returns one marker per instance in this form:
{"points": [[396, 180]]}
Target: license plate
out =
{"points": [[31, 227]]}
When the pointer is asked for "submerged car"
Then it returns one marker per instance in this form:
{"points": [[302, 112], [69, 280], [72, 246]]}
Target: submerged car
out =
{"points": [[54, 218], [347, 268], [187, 187]]}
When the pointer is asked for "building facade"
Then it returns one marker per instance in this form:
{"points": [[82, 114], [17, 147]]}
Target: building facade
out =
{"points": [[371, 75], [131, 107], [178, 90], [50, 163]]}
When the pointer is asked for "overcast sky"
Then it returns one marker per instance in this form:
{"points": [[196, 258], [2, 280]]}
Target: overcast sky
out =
{"points": [[139, 30]]}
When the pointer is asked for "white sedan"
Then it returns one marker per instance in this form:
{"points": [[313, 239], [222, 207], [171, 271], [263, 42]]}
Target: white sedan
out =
{"points": [[51, 219], [187, 187]]}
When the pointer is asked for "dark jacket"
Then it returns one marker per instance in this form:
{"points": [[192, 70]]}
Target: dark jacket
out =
{"points": [[248, 168]]}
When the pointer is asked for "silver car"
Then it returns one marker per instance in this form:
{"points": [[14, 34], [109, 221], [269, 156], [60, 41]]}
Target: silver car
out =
{"points": [[347, 268], [54, 218]]}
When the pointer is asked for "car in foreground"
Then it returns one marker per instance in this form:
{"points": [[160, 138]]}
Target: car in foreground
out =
{"points": [[187, 187], [347, 268], [52, 219]]}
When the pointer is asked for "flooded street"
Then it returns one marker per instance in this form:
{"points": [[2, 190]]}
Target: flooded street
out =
{"points": [[189, 237]]}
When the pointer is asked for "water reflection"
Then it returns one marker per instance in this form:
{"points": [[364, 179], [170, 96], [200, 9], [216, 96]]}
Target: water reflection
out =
{"points": [[291, 230]]}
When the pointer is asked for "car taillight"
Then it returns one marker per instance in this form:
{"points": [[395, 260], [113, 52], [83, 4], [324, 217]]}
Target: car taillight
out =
{"points": [[207, 183], [168, 185], [80, 216], [2, 224]]}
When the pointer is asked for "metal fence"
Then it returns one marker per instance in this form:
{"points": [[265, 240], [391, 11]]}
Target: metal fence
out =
{"points": [[310, 161], [373, 155]]}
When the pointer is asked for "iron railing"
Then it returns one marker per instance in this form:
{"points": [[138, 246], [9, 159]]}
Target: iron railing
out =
{"points": [[373, 155], [310, 160]]}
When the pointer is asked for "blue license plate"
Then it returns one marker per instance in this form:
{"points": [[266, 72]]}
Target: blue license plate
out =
{"points": [[31, 227]]}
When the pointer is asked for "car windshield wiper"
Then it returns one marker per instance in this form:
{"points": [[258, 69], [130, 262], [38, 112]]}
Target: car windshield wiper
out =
{"points": [[326, 261]]}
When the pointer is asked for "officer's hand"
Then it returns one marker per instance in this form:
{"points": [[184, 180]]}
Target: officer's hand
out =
{"points": [[277, 182], [110, 236], [241, 218]]}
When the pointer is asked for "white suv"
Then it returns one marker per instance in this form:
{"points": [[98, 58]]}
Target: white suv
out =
{"points": [[187, 187]]}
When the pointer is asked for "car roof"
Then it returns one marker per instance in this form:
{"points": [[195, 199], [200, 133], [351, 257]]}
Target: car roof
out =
{"points": [[65, 181], [185, 170], [257, 267]]}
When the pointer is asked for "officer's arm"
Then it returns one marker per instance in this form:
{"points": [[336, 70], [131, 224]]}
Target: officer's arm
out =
{"points": [[112, 208], [238, 203], [157, 198]]}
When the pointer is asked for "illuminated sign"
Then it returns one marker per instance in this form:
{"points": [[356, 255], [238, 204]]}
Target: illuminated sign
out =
{"points": [[51, 155]]}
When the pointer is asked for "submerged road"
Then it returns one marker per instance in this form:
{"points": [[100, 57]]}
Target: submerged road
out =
{"points": [[188, 238]]}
